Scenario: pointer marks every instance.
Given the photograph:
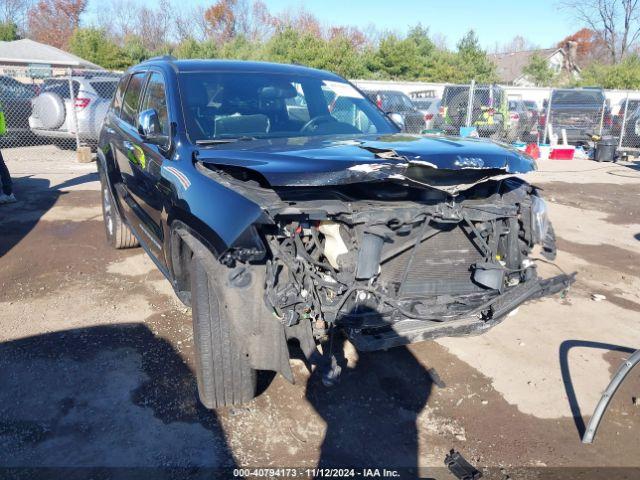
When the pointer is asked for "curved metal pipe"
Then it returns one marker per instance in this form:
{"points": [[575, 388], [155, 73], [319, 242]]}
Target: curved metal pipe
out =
{"points": [[617, 379]]}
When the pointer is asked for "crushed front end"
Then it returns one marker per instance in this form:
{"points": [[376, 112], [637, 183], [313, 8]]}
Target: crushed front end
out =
{"points": [[391, 264]]}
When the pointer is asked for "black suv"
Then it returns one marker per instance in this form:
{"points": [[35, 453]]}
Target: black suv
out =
{"points": [[279, 214]]}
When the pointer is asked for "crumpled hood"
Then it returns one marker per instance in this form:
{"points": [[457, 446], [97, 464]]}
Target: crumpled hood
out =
{"points": [[336, 160]]}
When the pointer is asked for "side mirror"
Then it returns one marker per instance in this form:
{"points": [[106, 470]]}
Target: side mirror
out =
{"points": [[150, 129], [397, 119]]}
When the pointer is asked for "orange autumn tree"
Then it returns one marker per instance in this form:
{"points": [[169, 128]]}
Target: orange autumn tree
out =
{"points": [[54, 21], [591, 46]]}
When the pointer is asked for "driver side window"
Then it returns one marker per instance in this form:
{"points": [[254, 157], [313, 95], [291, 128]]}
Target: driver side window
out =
{"points": [[156, 99]]}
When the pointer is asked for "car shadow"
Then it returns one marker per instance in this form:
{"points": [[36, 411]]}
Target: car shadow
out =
{"points": [[565, 347], [110, 400], [35, 198], [371, 414]]}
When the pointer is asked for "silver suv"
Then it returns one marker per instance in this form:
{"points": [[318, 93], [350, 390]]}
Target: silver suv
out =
{"points": [[52, 116]]}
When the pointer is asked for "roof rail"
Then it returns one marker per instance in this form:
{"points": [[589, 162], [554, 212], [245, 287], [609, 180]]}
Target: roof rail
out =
{"points": [[167, 58]]}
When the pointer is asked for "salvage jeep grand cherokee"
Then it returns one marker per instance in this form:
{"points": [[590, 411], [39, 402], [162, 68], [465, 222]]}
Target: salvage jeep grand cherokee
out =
{"points": [[282, 204]]}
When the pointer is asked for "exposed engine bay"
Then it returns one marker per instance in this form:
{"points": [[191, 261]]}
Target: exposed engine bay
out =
{"points": [[394, 256], [399, 260]]}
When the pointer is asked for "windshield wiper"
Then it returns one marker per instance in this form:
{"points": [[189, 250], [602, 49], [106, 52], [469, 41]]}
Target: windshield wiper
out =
{"points": [[221, 141]]}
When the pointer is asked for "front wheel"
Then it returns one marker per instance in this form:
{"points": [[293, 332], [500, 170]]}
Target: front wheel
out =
{"points": [[118, 233], [222, 365]]}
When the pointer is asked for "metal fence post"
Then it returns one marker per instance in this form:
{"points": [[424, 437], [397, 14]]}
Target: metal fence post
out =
{"points": [[74, 116], [604, 106], [624, 120], [472, 91], [548, 118]]}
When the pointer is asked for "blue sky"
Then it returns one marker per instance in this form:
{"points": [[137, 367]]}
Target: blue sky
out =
{"points": [[540, 21]]}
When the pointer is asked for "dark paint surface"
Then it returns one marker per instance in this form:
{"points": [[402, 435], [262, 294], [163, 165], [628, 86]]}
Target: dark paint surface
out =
{"points": [[291, 161], [169, 186]]}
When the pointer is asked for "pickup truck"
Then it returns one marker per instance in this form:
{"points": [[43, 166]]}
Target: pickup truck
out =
{"points": [[578, 111]]}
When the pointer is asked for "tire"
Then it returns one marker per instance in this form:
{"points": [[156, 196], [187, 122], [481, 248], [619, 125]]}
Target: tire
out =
{"points": [[222, 368], [118, 233]]}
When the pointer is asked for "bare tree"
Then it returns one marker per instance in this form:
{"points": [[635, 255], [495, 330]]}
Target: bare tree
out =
{"points": [[15, 11], [154, 25], [617, 21], [119, 18], [440, 40], [516, 44], [190, 23]]}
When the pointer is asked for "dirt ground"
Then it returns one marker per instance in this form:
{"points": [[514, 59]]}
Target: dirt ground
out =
{"points": [[96, 359]]}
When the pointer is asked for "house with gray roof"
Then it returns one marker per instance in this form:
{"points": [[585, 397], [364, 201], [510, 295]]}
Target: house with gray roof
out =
{"points": [[510, 66], [26, 58]]}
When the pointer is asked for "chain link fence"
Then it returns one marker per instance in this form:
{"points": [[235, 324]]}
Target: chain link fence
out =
{"points": [[53, 111], [626, 124], [577, 116]]}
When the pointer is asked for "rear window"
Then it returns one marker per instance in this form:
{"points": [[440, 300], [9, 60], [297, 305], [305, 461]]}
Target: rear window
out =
{"points": [[488, 96], [423, 104], [104, 89], [60, 87], [578, 97], [394, 102]]}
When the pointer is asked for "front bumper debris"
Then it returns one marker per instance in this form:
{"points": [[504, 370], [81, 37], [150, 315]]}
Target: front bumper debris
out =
{"points": [[412, 331]]}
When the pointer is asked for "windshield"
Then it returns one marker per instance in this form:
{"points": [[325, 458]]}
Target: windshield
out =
{"points": [[267, 105]]}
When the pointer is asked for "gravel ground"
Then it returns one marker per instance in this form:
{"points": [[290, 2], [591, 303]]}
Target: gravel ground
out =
{"points": [[96, 360]]}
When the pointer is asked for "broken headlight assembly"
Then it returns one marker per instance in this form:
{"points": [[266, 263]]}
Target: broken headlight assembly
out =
{"points": [[539, 218]]}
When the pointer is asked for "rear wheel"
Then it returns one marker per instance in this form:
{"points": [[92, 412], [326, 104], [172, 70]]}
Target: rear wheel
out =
{"points": [[222, 365], [118, 233]]}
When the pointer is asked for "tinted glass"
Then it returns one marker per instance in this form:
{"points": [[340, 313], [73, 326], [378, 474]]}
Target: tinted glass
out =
{"points": [[395, 102], [155, 98], [422, 104], [119, 95], [577, 97], [104, 89], [60, 87], [131, 98], [268, 105], [12, 89]]}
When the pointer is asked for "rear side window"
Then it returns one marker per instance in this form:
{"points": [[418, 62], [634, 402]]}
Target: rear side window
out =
{"points": [[156, 99], [119, 95], [61, 87], [131, 98], [105, 89]]}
